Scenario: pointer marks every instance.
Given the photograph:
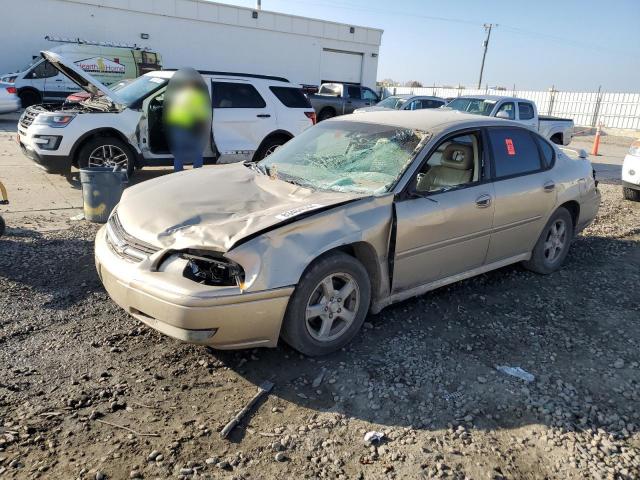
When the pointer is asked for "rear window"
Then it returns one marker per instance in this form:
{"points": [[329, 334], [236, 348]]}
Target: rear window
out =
{"points": [[236, 95], [291, 97], [514, 152]]}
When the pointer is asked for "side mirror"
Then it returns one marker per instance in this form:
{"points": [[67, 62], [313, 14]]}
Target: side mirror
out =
{"points": [[582, 153], [504, 115]]}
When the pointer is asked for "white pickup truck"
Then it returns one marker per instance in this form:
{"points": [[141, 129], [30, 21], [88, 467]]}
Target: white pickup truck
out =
{"points": [[558, 130]]}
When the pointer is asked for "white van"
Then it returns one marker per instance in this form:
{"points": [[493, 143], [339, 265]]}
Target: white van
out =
{"points": [[252, 116], [40, 82]]}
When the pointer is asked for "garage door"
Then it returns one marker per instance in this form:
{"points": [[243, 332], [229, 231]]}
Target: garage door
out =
{"points": [[340, 66]]}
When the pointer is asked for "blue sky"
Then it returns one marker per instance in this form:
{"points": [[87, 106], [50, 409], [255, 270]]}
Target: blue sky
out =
{"points": [[572, 44]]}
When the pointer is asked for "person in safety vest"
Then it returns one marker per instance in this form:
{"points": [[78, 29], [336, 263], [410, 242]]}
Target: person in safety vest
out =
{"points": [[187, 117]]}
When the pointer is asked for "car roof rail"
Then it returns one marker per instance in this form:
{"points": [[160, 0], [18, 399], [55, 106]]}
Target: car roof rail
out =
{"points": [[235, 74]]}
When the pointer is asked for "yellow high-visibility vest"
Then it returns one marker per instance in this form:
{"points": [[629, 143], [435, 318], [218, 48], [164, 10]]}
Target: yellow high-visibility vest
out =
{"points": [[188, 107]]}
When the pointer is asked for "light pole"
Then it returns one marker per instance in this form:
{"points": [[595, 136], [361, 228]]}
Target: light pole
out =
{"points": [[485, 44]]}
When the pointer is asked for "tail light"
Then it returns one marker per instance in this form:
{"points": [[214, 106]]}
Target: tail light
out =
{"points": [[312, 116], [12, 90]]}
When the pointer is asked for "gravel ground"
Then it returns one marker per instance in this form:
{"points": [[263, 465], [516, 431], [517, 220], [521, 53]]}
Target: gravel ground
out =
{"points": [[75, 370]]}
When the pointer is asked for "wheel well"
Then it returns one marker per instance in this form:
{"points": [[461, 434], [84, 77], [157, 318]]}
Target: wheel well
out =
{"points": [[327, 109], [103, 132], [574, 209], [281, 134], [556, 138], [29, 90], [365, 254]]}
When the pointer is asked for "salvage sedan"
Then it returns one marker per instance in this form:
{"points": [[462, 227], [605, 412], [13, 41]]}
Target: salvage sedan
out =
{"points": [[350, 216]]}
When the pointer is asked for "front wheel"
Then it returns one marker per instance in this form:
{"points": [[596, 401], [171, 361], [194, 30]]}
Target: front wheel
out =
{"points": [[107, 152], [328, 306], [631, 194], [29, 97], [553, 245]]}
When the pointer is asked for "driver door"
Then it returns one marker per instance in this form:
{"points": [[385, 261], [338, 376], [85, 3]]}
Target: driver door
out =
{"points": [[444, 229]]}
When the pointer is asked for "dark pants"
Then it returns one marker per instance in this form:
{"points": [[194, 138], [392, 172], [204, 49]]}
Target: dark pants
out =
{"points": [[186, 146]]}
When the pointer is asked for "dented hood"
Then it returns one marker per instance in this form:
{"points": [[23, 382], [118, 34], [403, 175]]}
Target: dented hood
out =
{"points": [[216, 207]]}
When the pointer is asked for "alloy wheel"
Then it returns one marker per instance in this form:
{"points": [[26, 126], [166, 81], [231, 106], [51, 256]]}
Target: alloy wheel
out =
{"points": [[332, 307], [108, 156], [555, 241]]}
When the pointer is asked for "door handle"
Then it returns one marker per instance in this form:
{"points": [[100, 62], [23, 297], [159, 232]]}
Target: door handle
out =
{"points": [[549, 186], [263, 115], [58, 80], [483, 201]]}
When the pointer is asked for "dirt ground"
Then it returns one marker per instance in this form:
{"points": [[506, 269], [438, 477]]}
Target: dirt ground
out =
{"points": [[88, 392]]}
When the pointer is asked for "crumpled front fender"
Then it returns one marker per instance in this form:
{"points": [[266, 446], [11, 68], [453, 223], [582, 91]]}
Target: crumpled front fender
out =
{"points": [[279, 257]]}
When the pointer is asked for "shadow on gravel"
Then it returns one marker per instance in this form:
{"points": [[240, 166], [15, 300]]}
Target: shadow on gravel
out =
{"points": [[430, 362], [61, 269]]}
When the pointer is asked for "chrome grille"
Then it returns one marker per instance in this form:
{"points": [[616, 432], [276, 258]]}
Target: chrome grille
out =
{"points": [[28, 117], [124, 245]]}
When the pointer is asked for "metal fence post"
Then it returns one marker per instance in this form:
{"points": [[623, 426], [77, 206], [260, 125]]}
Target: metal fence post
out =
{"points": [[596, 108], [552, 97]]}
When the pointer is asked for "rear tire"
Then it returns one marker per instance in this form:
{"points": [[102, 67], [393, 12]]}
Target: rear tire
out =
{"points": [[326, 114], [268, 147], [319, 320], [631, 194], [29, 97], [3, 226], [107, 152], [553, 245]]}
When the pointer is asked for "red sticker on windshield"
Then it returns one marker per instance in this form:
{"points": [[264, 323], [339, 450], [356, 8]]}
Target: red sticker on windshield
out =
{"points": [[511, 150]]}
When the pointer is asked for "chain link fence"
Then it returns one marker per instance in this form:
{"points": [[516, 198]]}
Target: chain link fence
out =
{"points": [[614, 110]]}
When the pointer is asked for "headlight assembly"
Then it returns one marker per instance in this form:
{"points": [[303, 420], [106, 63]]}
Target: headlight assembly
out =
{"points": [[211, 268], [54, 120]]}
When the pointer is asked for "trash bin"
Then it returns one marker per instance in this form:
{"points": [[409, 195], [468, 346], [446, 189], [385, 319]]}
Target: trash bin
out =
{"points": [[101, 191]]}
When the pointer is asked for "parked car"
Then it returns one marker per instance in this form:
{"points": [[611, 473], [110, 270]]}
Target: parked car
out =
{"points": [[252, 116], [404, 102], [40, 81], [335, 99], [354, 214], [9, 100], [631, 173], [81, 96], [558, 130]]}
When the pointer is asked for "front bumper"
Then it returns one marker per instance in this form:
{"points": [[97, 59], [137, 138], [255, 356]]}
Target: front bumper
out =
{"points": [[50, 163], [227, 321], [631, 171]]}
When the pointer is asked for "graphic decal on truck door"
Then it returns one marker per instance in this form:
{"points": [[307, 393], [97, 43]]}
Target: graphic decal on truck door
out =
{"points": [[101, 65]]}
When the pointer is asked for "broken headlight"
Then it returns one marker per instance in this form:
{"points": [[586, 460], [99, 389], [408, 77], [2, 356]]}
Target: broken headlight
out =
{"points": [[210, 268]]}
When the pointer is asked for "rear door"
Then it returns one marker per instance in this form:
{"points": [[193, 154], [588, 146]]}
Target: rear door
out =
{"points": [[242, 118], [524, 191], [527, 116]]}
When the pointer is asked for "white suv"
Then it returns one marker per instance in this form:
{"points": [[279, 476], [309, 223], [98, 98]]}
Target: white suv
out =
{"points": [[631, 173], [252, 115]]}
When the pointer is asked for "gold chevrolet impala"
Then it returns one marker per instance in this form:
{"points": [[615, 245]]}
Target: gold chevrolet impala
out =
{"points": [[352, 215]]}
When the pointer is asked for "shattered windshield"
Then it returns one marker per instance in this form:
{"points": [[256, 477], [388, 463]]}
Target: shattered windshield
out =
{"points": [[346, 156], [476, 106], [139, 88], [392, 102]]}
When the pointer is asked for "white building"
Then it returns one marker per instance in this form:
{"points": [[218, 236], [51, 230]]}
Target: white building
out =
{"points": [[199, 34]]}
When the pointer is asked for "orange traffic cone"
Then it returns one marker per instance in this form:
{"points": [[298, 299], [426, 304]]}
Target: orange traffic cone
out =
{"points": [[596, 141]]}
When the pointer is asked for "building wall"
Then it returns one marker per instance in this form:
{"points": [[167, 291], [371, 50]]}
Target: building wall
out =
{"points": [[194, 33]]}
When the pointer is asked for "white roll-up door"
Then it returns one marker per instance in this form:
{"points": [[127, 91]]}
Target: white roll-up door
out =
{"points": [[341, 66]]}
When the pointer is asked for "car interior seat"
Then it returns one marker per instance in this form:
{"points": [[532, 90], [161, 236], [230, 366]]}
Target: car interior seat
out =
{"points": [[456, 168]]}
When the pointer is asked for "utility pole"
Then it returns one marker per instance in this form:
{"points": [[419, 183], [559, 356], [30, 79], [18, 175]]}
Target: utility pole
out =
{"points": [[485, 44]]}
